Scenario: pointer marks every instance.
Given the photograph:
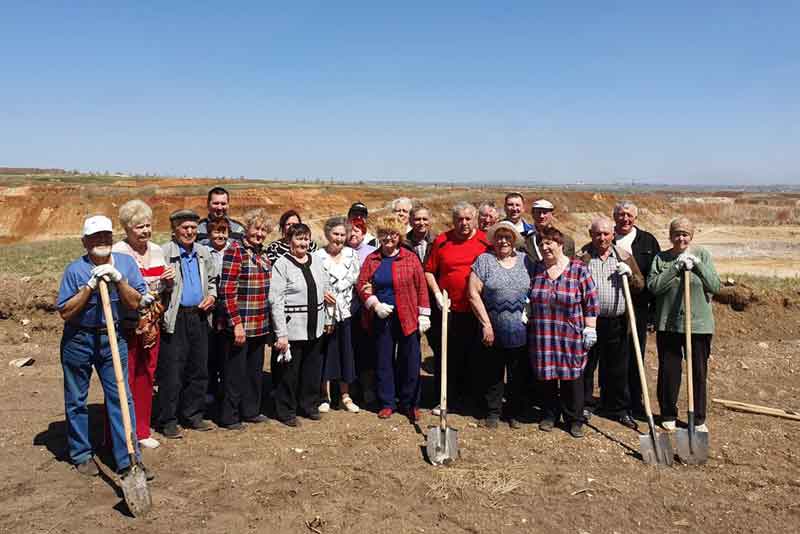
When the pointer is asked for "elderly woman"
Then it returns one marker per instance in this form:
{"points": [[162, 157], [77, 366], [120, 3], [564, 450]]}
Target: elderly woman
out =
{"points": [[392, 286], [402, 207], [244, 285], [141, 329], [342, 265], [357, 239], [499, 286], [281, 246], [561, 331], [296, 295], [666, 282]]}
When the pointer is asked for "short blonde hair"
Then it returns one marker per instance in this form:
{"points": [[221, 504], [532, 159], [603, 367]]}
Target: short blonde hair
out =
{"points": [[135, 212], [390, 224], [257, 217]]}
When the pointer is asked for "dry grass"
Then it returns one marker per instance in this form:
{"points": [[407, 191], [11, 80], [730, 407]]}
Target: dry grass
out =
{"points": [[454, 482]]}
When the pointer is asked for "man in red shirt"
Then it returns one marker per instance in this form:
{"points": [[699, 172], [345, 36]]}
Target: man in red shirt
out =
{"points": [[447, 269]]}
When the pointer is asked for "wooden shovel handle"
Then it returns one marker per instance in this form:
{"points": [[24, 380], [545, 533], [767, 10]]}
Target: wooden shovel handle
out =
{"points": [[687, 312], [443, 384], [117, 361], [637, 348]]}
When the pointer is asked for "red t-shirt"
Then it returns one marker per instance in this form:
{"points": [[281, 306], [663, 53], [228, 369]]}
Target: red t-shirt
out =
{"points": [[451, 262]]}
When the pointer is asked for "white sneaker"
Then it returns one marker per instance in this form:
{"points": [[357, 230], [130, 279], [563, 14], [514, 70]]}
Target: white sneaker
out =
{"points": [[701, 428], [669, 426], [325, 407], [436, 411], [149, 443], [349, 405]]}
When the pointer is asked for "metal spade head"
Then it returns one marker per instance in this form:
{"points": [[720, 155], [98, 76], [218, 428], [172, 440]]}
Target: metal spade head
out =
{"points": [[442, 445], [656, 453], [692, 446], [136, 492]]}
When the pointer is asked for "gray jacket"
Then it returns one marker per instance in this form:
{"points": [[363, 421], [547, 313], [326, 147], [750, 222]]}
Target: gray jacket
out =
{"points": [[172, 255], [288, 298]]}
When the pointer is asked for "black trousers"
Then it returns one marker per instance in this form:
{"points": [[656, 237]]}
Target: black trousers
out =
{"points": [[242, 377], [671, 347], [463, 349], [610, 354], [634, 383], [183, 369], [562, 397], [217, 345], [492, 365], [297, 382], [434, 333]]}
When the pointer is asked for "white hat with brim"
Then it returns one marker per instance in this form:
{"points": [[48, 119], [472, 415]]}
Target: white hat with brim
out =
{"points": [[505, 225], [96, 224], [543, 204]]}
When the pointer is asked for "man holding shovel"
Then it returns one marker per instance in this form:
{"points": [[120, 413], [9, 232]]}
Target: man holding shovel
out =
{"points": [[85, 341]]}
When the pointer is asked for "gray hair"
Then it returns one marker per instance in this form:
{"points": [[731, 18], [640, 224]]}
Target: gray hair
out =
{"points": [[597, 222], [333, 222], [489, 204], [416, 208], [463, 206], [257, 217], [402, 200], [135, 212], [626, 205]]}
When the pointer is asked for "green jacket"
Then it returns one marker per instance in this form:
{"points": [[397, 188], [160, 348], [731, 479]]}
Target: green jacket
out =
{"points": [[666, 283]]}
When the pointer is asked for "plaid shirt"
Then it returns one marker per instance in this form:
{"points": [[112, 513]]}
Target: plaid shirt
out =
{"points": [[410, 289], [246, 272]]}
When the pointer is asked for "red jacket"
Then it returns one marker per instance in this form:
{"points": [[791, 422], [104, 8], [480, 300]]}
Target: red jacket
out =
{"points": [[410, 289]]}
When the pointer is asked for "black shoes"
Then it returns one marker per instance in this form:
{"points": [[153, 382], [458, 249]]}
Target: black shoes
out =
{"points": [[199, 425], [234, 426], [171, 431], [293, 422], [258, 419], [88, 468], [576, 430], [314, 416], [490, 423], [547, 424], [514, 424], [628, 421]]}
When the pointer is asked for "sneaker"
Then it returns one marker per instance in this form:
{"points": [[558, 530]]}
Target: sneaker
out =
{"points": [[701, 428], [587, 414], [170, 431], [325, 407], [233, 426], [349, 405], [258, 419], [436, 411], [628, 421], [669, 426], [490, 423], [546, 425], [149, 443], [88, 468], [576, 430], [199, 426], [385, 413]]}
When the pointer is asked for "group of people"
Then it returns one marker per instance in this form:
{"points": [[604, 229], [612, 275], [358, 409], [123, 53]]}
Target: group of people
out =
{"points": [[530, 317]]}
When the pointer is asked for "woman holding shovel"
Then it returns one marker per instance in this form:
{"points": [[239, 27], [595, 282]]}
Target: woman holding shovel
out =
{"points": [[666, 282]]}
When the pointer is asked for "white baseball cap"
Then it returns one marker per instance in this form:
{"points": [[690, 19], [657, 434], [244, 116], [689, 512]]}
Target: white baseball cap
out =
{"points": [[543, 204], [95, 224]]}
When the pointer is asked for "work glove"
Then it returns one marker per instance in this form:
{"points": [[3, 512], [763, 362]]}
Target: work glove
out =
{"points": [[623, 269], [285, 356], [146, 300], [439, 300], [424, 323], [589, 337], [383, 310], [92, 282], [690, 260], [107, 272], [526, 311]]}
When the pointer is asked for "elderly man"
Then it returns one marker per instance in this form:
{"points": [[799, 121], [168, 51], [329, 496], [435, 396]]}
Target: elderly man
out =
{"points": [[402, 208], [644, 247], [448, 268], [218, 202], [183, 363], [608, 264], [487, 215], [514, 204], [542, 211], [85, 343]]}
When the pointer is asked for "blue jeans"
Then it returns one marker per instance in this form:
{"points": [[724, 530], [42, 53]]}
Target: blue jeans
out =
{"points": [[398, 377], [80, 351]]}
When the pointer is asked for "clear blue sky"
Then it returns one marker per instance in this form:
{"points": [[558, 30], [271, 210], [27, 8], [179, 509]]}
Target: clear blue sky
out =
{"points": [[683, 92]]}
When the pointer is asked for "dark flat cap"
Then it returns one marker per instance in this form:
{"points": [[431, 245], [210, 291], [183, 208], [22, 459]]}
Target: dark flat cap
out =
{"points": [[184, 215], [358, 209]]}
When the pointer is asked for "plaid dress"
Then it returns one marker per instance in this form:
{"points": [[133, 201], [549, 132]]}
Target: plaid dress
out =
{"points": [[555, 328], [244, 286]]}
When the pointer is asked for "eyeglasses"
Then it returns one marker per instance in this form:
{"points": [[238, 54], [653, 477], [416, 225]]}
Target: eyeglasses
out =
{"points": [[504, 237]]}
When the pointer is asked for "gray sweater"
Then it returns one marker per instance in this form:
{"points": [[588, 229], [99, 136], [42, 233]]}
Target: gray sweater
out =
{"points": [[288, 298], [208, 277]]}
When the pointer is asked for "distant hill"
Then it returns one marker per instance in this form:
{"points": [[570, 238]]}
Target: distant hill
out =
{"points": [[30, 171]]}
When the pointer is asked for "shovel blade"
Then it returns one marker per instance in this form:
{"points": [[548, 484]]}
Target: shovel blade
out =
{"points": [[692, 446], [136, 493], [656, 453], [442, 445]]}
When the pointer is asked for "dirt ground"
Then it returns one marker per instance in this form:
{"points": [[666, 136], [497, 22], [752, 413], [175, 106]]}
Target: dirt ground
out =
{"points": [[355, 473]]}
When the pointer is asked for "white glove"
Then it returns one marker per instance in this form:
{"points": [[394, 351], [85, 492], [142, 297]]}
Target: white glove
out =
{"points": [[623, 269], [690, 260], [589, 337], [146, 300], [439, 300], [424, 323], [285, 356], [107, 271], [92, 283], [525, 311], [383, 310]]}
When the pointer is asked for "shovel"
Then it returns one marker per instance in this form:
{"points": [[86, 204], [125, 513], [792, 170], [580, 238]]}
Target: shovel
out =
{"points": [[442, 445], [692, 446], [134, 483], [655, 448]]}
